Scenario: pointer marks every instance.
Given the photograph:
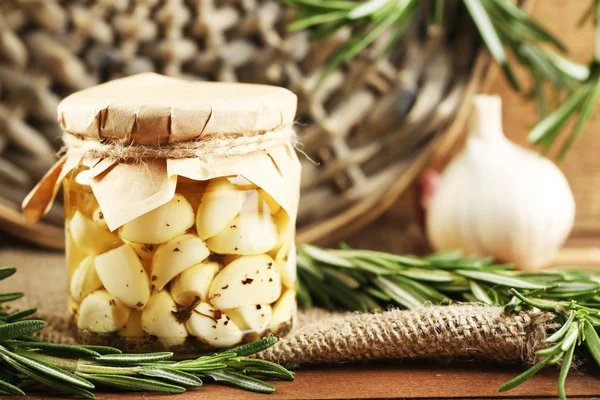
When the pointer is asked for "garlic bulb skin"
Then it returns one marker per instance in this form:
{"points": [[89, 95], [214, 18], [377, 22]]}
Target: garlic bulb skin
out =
{"points": [[499, 199]]}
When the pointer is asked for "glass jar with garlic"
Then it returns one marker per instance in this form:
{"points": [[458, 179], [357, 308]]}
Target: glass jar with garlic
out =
{"points": [[180, 202]]}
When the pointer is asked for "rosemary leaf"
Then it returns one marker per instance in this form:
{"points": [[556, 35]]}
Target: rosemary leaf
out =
{"points": [[20, 328], [9, 389], [20, 315], [5, 272], [239, 380], [551, 124], [427, 275], [479, 293], [103, 350], [592, 341], [525, 375], [490, 36], [275, 370], [556, 336], [323, 4], [325, 257], [307, 22], [254, 347], [62, 349], [564, 371], [586, 112], [367, 8], [48, 380], [175, 377], [47, 369], [500, 280], [131, 383], [5, 297], [131, 359], [397, 293]]}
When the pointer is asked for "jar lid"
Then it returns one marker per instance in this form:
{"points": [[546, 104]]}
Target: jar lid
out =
{"points": [[154, 109]]}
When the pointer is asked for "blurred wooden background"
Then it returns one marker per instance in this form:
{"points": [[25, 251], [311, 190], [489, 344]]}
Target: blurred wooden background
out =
{"points": [[397, 230]]}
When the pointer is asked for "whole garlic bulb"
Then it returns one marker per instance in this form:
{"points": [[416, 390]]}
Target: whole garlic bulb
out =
{"points": [[496, 198]]}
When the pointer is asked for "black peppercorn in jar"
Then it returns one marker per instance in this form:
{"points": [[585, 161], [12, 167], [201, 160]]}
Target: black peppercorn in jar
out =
{"points": [[180, 203]]}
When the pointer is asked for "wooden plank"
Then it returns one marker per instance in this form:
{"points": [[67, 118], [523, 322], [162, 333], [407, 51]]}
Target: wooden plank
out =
{"points": [[407, 380]]}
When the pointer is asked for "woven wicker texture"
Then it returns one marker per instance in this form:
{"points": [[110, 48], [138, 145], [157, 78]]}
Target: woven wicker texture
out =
{"points": [[365, 126]]}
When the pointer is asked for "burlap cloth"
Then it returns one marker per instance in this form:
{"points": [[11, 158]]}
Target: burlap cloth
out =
{"points": [[463, 331]]}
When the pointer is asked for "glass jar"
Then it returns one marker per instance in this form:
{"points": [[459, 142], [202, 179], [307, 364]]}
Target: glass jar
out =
{"points": [[212, 268], [177, 247]]}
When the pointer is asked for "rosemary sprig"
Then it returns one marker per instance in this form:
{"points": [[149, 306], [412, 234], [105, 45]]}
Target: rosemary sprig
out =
{"points": [[78, 370], [503, 27], [368, 280]]}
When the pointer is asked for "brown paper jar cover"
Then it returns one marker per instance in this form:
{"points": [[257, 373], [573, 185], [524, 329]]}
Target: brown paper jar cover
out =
{"points": [[153, 109]]}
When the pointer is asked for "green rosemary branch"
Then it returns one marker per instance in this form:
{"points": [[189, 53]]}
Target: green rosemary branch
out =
{"points": [[370, 280], [77, 370], [503, 27]]}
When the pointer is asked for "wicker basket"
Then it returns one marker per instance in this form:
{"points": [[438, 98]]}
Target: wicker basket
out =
{"points": [[370, 127]]}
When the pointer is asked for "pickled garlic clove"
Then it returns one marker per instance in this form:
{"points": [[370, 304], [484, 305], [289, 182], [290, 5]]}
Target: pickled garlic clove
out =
{"points": [[158, 320], [161, 224], [193, 283], [255, 318], [90, 237], [260, 201], [101, 312], [123, 275], [98, 218], [84, 280], [284, 309], [175, 256], [73, 253], [246, 234], [286, 264], [285, 230], [221, 202], [213, 326], [145, 251], [265, 199], [133, 326], [249, 280]]}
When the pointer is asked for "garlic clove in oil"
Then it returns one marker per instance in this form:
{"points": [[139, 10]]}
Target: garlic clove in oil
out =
{"points": [[193, 283], [213, 327], [286, 264], [123, 275], [248, 280], [246, 234], [255, 318], [174, 257], [496, 198], [85, 280], [221, 202], [101, 312], [161, 224], [158, 319], [284, 309], [90, 237]]}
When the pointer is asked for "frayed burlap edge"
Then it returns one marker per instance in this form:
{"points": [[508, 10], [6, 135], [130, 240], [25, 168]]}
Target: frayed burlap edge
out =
{"points": [[462, 331]]}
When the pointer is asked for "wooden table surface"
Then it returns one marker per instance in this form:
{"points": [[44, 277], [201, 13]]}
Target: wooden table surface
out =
{"points": [[408, 380]]}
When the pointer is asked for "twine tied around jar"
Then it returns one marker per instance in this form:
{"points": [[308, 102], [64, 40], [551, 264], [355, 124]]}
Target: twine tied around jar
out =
{"points": [[204, 147]]}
